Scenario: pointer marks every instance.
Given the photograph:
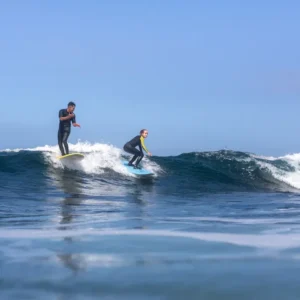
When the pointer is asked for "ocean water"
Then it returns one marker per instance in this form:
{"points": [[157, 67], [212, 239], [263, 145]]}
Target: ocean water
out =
{"points": [[210, 225]]}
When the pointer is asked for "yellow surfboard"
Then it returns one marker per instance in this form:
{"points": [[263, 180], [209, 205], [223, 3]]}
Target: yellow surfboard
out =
{"points": [[75, 156]]}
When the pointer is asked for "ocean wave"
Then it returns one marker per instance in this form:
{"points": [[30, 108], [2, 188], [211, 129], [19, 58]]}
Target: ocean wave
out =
{"points": [[219, 170]]}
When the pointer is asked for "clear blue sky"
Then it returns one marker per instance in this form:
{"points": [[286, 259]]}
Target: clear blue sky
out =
{"points": [[200, 75]]}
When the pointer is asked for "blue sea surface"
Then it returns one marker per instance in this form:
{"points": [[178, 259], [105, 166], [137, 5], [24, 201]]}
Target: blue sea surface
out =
{"points": [[214, 225]]}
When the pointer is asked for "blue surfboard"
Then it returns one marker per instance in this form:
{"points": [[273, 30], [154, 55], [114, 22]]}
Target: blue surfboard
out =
{"points": [[141, 172]]}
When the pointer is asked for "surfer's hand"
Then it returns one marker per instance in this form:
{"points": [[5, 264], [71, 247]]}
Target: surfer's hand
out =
{"points": [[149, 153], [71, 116], [76, 125]]}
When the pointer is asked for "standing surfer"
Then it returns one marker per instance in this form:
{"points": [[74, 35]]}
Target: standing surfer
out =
{"points": [[66, 116], [130, 147]]}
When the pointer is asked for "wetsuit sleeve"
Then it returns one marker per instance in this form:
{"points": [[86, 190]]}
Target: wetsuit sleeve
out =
{"points": [[61, 113], [74, 119], [143, 144]]}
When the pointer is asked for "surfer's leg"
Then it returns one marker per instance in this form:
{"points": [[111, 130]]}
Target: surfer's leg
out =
{"points": [[65, 141], [136, 153], [60, 145], [133, 160], [139, 159]]}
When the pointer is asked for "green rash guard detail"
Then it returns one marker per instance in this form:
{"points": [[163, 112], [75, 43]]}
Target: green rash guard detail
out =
{"points": [[143, 144]]}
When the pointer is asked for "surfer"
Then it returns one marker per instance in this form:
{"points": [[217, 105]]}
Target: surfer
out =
{"points": [[66, 116], [130, 147]]}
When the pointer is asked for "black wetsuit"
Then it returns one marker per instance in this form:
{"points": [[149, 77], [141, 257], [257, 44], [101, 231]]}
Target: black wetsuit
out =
{"points": [[64, 131], [129, 147]]}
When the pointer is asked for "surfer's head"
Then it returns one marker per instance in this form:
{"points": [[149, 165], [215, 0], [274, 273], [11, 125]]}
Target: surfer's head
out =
{"points": [[144, 133], [71, 106]]}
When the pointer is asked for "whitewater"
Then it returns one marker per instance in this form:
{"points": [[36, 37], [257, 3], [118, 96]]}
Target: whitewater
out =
{"points": [[98, 157], [208, 225]]}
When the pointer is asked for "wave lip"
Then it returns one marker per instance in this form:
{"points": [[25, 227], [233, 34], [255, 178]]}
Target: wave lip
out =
{"points": [[238, 171]]}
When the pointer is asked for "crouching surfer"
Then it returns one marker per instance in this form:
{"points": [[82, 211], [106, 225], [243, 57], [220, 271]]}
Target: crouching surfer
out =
{"points": [[130, 147]]}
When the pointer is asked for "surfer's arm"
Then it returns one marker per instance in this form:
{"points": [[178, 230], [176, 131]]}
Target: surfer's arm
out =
{"points": [[62, 118], [143, 145], [65, 118], [74, 122], [74, 119]]}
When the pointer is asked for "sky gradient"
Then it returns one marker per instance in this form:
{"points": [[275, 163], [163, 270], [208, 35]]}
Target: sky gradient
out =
{"points": [[199, 75]]}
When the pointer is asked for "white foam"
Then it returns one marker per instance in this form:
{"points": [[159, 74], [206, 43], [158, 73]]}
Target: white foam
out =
{"points": [[98, 157]]}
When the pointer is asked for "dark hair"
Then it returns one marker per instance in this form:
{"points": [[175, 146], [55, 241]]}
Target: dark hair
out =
{"points": [[71, 104], [142, 131]]}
